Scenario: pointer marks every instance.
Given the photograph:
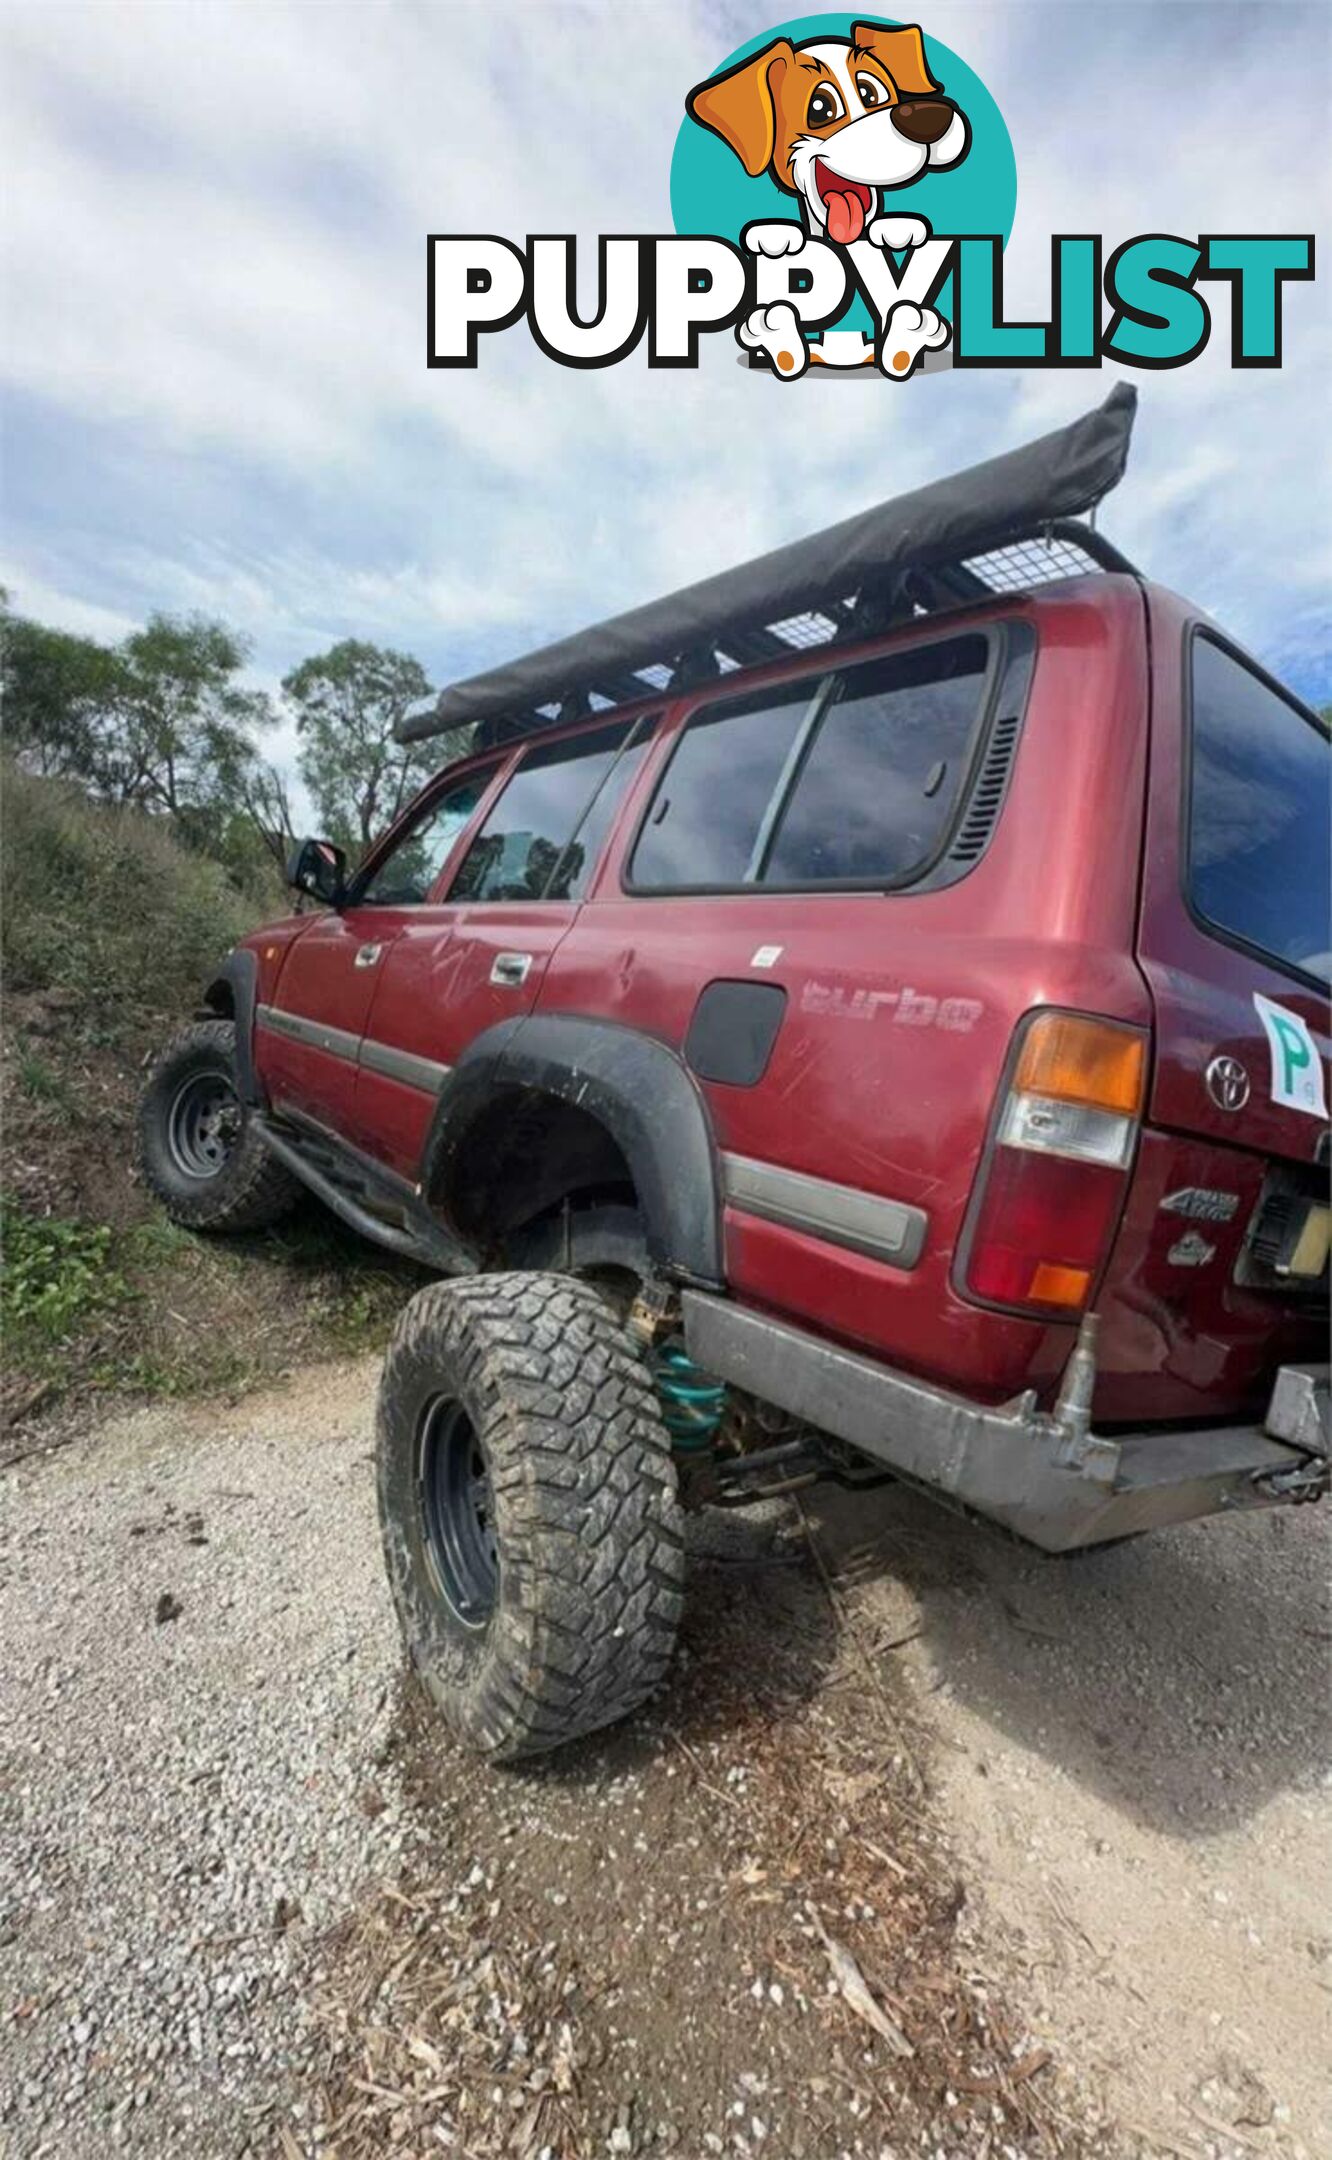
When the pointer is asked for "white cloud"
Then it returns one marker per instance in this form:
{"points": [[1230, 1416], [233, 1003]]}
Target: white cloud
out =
{"points": [[216, 251], [32, 596]]}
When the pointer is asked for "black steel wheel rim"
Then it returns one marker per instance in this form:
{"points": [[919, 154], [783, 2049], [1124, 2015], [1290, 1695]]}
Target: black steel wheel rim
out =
{"points": [[458, 1513], [203, 1124]]}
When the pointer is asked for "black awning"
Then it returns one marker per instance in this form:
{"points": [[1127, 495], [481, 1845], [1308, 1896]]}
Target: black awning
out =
{"points": [[834, 577]]}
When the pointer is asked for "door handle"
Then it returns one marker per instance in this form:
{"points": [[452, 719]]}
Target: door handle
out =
{"points": [[509, 969], [367, 955]]}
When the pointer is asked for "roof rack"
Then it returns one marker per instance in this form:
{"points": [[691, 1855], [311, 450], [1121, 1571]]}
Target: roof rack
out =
{"points": [[999, 527]]}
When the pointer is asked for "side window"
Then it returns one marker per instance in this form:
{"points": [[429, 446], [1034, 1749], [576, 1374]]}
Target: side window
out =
{"points": [[709, 808], [574, 869], [406, 875], [1260, 861], [544, 833], [878, 787], [845, 779]]}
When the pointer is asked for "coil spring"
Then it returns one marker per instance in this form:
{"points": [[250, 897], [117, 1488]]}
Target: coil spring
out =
{"points": [[691, 1403]]}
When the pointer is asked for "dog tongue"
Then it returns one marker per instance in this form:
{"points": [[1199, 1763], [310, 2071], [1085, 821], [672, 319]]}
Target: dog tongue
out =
{"points": [[846, 218]]}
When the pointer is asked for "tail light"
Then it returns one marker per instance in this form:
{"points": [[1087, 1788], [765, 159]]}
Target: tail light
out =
{"points": [[1049, 1196]]}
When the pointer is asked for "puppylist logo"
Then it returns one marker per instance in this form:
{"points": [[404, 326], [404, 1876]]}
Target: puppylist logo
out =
{"points": [[842, 192]]}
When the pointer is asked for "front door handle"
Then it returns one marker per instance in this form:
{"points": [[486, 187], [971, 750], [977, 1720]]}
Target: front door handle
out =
{"points": [[509, 969], [367, 955]]}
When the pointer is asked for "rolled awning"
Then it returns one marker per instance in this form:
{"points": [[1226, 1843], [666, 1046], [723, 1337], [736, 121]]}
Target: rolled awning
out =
{"points": [[1018, 495]]}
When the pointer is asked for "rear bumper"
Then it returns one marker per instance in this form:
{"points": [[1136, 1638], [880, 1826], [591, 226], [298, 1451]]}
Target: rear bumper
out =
{"points": [[1047, 1477]]}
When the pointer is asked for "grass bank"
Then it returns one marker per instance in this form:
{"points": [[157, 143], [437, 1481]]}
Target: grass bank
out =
{"points": [[108, 930]]}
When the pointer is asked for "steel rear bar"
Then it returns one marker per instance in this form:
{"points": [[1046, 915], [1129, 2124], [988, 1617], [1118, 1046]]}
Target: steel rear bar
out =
{"points": [[1046, 1476]]}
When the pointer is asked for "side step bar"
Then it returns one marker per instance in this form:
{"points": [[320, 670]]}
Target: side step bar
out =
{"points": [[1049, 1478], [348, 1183]]}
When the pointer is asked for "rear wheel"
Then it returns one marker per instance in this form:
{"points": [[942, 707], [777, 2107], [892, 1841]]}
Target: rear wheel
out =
{"points": [[198, 1147], [527, 1502]]}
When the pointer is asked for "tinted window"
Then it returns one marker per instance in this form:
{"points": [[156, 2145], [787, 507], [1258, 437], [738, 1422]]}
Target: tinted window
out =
{"points": [[709, 806], [1259, 862], [574, 869], [878, 787], [849, 778], [530, 844], [405, 876]]}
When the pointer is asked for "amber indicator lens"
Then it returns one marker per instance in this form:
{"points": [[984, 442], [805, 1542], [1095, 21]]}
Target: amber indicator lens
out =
{"points": [[1083, 1061]]}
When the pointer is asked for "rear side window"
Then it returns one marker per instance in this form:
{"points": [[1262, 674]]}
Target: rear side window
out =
{"points": [[850, 778], [1260, 858], [542, 837], [709, 808], [878, 788]]}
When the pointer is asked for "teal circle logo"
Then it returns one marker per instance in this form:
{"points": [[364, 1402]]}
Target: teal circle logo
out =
{"points": [[711, 192]]}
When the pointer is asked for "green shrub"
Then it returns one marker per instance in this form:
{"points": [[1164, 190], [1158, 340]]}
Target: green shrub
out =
{"points": [[55, 1279], [108, 904]]}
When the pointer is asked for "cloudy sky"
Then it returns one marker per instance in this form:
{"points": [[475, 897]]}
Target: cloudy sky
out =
{"points": [[213, 335]]}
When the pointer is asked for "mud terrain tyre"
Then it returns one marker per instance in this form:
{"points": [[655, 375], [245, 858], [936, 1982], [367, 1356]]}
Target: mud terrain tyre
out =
{"points": [[527, 1501], [198, 1148]]}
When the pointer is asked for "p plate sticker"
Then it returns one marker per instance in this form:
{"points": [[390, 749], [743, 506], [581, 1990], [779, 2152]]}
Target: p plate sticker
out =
{"points": [[767, 956], [1297, 1069]]}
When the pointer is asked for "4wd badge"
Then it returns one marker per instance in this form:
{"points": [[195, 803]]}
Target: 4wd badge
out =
{"points": [[1201, 1203]]}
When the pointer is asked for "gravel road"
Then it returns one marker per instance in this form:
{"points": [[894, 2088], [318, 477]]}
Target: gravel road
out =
{"points": [[197, 1671], [207, 1779]]}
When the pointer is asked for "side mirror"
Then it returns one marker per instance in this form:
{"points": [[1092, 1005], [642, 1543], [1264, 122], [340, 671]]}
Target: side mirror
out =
{"points": [[318, 868]]}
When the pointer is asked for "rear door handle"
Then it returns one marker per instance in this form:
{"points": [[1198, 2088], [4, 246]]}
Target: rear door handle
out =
{"points": [[509, 969], [367, 955]]}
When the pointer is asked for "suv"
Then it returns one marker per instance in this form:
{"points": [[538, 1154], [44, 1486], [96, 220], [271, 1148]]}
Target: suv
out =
{"points": [[861, 1016]]}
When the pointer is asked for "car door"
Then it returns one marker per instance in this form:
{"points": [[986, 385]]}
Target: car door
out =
{"points": [[512, 899], [311, 1038]]}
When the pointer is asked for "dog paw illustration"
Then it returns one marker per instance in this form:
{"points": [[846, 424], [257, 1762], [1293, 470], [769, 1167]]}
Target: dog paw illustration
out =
{"points": [[898, 233], [776, 331], [909, 332], [786, 238]]}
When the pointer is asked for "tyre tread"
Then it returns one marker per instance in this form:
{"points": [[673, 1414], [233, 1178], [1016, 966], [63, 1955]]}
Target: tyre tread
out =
{"points": [[592, 1537]]}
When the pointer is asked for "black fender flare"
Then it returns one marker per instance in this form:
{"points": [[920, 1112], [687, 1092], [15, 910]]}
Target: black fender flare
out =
{"points": [[634, 1085], [236, 982]]}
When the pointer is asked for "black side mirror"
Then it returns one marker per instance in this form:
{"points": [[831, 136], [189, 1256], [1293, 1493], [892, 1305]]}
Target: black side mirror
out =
{"points": [[318, 868]]}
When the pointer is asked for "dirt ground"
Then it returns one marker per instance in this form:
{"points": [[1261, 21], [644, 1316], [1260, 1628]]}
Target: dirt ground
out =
{"points": [[931, 1846]]}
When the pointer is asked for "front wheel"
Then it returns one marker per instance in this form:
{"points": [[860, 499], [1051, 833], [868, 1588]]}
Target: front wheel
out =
{"points": [[198, 1147], [527, 1502]]}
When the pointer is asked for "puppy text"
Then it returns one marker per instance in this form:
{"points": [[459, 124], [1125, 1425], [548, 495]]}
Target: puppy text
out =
{"points": [[1151, 302]]}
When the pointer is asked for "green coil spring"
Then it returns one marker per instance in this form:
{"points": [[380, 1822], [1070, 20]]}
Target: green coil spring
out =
{"points": [[691, 1403]]}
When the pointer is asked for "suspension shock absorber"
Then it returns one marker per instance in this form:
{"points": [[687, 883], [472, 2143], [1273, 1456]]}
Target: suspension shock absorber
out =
{"points": [[692, 1402]]}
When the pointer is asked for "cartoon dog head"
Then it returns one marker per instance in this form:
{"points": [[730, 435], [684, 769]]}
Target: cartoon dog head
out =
{"points": [[836, 120]]}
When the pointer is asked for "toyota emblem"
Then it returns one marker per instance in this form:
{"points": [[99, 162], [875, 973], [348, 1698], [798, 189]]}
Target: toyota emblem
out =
{"points": [[1227, 1083]]}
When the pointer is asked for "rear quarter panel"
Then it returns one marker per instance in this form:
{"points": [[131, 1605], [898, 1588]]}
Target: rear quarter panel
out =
{"points": [[901, 1007]]}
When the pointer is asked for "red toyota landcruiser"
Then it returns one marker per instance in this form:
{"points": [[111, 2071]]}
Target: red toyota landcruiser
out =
{"points": [[862, 1015]]}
